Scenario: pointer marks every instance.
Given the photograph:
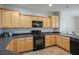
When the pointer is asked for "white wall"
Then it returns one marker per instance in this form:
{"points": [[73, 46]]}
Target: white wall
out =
{"points": [[68, 23]]}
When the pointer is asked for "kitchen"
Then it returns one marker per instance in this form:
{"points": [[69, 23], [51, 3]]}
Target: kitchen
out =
{"points": [[50, 30]]}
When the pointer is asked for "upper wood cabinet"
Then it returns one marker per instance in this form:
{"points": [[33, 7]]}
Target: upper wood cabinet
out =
{"points": [[39, 18], [6, 18], [25, 21], [22, 21], [46, 22], [28, 22], [55, 21], [15, 19], [0, 18]]}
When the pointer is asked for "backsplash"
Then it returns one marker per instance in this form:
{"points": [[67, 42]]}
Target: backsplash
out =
{"points": [[21, 30]]}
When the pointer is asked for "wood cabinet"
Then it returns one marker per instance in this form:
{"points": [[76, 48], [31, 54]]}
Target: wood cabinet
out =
{"points": [[59, 40], [29, 43], [47, 41], [28, 22], [63, 42], [66, 43], [46, 22], [55, 21], [53, 39], [20, 44], [25, 21], [12, 45], [0, 18], [22, 21], [15, 19], [6, 18]]}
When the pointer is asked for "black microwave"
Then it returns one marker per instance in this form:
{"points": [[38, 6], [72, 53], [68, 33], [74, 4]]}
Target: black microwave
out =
{"points": [[37, 23]]}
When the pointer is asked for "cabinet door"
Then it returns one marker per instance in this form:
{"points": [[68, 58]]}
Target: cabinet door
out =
{"points": [[28, 22], [12, 45], [6, 18], [0, 18], [39, 18], [53, 39], [15, 19], [20, 44], [55, 21], [29, 43], [66, 43], [25, 21], [46, 22], [59, 40], [47, 41], [22, 21]]}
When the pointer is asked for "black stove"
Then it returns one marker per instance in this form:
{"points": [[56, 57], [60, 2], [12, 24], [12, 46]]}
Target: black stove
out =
{"points": [[38, 40]]}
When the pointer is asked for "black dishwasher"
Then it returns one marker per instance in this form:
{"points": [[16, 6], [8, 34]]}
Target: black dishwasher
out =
{"points": [[74, 46]]}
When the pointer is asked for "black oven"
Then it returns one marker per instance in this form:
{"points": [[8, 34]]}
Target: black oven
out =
{"points": [[37, 23], [38, 40]]}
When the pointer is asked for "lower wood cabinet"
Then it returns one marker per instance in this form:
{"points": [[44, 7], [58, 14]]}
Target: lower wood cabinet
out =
{"points": [[26, 43], [47, 41], [59, 40], [53, 39], [66, 43], [21, 44], [29, 43], [50, 40], [12, 45], [63, 42]]}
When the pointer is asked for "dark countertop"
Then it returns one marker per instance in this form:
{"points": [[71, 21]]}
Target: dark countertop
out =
{"points": [[62, 34], [5, 41]]}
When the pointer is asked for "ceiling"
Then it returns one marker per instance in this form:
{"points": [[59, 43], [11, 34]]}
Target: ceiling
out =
{"points": [[45, 7]]}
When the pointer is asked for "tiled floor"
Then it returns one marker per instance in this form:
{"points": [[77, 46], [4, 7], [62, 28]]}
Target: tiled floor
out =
{"points": [[48, 51]]}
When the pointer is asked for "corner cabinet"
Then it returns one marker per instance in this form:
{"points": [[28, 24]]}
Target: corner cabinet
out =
{"points": [[63, 42], [12, 45], [54, 21]]}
